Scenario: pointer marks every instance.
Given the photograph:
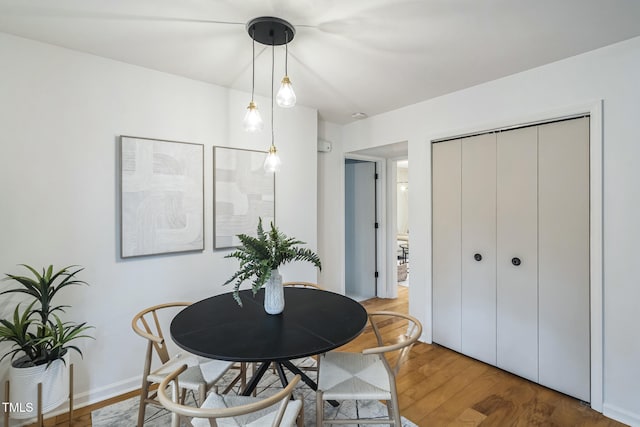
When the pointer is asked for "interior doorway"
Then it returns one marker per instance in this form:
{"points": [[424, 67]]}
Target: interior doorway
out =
{"points": [[386, 159], [360, 229], [402, 221]]}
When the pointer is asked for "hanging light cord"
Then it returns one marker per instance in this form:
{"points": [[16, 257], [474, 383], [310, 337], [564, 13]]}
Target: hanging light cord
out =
{"points": [[253, 62], [286, 53], [272, 73]]}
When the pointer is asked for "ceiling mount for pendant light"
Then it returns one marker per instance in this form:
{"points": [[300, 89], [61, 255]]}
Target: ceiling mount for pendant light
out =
{"points": [[270, 31]]}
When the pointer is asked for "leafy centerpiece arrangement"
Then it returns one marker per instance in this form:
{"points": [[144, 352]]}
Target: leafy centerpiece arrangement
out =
{"points": [[260, 258], [40, 339]]}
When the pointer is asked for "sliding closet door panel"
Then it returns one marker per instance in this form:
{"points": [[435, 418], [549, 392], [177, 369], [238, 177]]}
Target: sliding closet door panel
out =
{"points": [[517, 259], [564, 257], [479, 247], [446, 243]]}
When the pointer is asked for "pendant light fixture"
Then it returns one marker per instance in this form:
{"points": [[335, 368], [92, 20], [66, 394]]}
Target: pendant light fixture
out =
{"points": [[272, 162], [273, 32], [252, 120], [286, 96]]}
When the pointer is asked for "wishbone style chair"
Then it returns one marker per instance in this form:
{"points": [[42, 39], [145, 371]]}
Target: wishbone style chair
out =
{"points": [[200, 375], [232, 410], [303, 285], [367, 375]]}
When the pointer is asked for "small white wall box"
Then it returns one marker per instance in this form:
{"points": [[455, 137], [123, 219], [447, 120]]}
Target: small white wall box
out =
{"points": [[324, 146]]}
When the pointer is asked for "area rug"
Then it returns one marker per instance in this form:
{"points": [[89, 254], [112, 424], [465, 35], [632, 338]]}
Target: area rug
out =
{"points": [[125, 413]]}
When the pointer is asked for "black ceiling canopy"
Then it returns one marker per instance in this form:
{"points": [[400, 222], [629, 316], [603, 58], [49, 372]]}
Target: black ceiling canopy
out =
{"points": [[269, 30]]}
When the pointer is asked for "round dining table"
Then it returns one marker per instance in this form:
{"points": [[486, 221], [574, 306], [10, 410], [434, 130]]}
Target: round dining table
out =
{"points": [[313, 322]]}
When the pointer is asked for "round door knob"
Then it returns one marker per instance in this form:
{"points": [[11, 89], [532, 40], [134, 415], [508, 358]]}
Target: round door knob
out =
{"points": [[477, 257], [516, 261]]}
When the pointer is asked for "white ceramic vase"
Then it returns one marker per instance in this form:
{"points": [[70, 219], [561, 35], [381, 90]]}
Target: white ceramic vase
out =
{"points": [[24, 387], [274, 294]]}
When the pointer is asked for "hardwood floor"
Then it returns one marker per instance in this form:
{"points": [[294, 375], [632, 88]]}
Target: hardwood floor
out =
{"points": [[439, 387], [82, 416]]}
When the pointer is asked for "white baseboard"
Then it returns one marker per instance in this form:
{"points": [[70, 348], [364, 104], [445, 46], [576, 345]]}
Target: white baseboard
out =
{"points": [[88, 398], [107, 392], [621, 415], [425, 338]]}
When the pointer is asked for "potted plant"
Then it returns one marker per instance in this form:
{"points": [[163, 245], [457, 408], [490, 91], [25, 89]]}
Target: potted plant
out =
{"points": [[260, 258], [40, 339]]}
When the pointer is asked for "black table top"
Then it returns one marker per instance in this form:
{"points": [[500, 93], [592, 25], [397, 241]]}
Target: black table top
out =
{"points": [[312, 322]]}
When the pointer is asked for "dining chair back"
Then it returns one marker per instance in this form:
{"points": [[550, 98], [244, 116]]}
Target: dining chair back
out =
{"points": [[371, 374], [303, 285], [232, 410], [403, 343], [200, 375]]}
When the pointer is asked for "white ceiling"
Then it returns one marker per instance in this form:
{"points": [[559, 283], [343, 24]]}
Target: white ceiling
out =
{"points": [[347, 56]]}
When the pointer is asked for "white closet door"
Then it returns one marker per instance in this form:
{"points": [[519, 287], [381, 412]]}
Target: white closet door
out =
{"points": [[446, 243], [564, 257], [517, 252], [479, 247]]}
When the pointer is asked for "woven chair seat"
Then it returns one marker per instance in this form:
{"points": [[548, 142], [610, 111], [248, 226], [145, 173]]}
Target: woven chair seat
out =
{"points": [[200, 374], [225, 410], [367, 375], [263, 417], [197, 373], [353, 376]]}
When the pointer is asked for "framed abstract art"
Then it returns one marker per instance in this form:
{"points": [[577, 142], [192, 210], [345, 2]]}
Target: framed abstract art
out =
{"points": [[243, 192], [161, 196]]}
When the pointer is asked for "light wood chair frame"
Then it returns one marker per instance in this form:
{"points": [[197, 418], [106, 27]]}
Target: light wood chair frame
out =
{"points": [[156, 341], [181, 410], [303, 285], [414, 332]]}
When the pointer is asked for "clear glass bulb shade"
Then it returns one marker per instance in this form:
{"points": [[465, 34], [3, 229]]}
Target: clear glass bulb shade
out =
{"points": [[286, 97], [252, 120], [272, 162]]}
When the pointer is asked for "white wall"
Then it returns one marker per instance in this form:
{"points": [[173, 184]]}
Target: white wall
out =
{"points": [[331, 208], [610, 74], [60, 115]]}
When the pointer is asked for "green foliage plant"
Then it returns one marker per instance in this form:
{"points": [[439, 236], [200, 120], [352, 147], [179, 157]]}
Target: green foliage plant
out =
{"points": [[268, 251], [37, 334]]}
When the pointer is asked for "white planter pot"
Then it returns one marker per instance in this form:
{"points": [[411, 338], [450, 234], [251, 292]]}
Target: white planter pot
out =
{"points": [[24, 387], [274, 294]]}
